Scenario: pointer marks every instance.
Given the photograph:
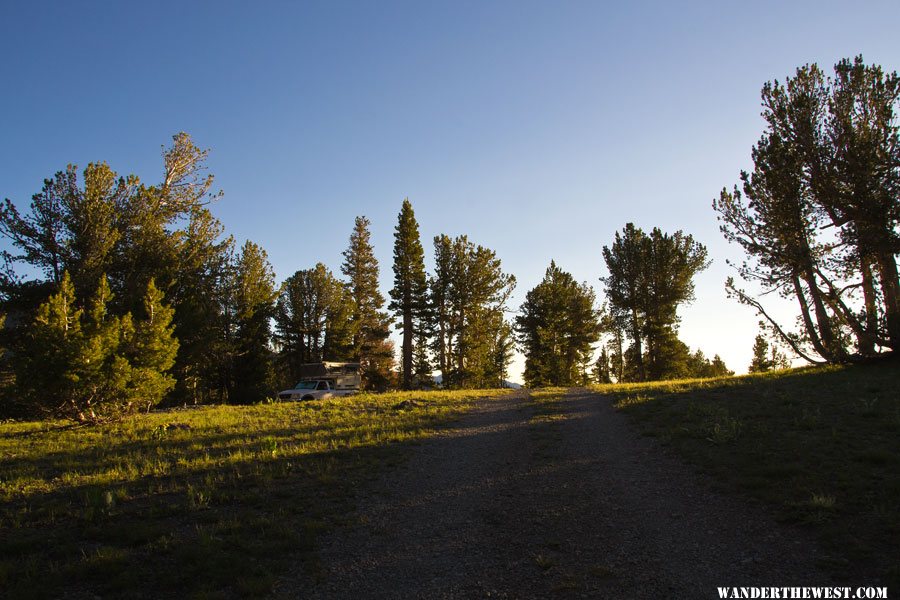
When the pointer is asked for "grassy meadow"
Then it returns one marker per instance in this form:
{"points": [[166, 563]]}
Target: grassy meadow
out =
{"points": [[820, 446], [204, 502]]}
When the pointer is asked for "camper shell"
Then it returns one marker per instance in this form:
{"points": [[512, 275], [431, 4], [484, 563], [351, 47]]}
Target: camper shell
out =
{"points": [[323, 380], [341, 375]]}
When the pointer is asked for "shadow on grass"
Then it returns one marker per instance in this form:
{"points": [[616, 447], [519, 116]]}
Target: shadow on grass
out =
{"points": [[27, 433], [207, 528], [144, 453], [821, 446]]}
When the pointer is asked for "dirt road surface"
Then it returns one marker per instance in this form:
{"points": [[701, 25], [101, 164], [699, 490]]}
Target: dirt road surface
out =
{"points": [[513, 503]]}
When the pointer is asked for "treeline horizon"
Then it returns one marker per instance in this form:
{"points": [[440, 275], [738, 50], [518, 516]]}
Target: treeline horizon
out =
{"points": [[228, 332], [145, 299]]}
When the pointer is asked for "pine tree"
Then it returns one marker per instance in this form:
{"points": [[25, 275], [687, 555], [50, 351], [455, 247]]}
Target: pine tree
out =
{"points": [[717, 368], [312, 320], [102, 372], [422, 365], [649, 277], [338, 345], [602, 372], [766, 357], [43, 364], [557, 328], [91, 366], [440, 324], [91, 217], [152, 351], [168, 234], [760, 362], [616, 348], [40, 236], [818, 215], [468, 296], [198, 295], [626, 291], [503, 350], [254, 302], [371, 325], [409, 294]]}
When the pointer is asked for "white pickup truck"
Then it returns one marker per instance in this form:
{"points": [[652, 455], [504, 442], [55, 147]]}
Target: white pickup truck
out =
{"points": [[313, 390]]}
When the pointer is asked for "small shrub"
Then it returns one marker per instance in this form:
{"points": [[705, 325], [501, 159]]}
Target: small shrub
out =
{"points": [[270, 446], [723, 430], [98, 503], [198, 498]]}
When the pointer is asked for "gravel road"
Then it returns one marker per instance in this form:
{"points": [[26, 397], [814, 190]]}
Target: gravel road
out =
{"points": [[506, 505]]}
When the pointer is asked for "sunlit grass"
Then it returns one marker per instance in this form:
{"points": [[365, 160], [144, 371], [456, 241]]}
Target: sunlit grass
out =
{"points": [[545, 404], [213, 490], [544, 425], [820, 446]]}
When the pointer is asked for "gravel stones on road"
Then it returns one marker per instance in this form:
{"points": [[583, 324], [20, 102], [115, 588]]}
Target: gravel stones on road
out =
{"points": [[506, 504]]}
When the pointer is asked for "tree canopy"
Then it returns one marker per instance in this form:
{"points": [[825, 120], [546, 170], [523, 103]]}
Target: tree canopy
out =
{"points": [[469, 292], [557, 327], [818, 214], [312, 320], [649, 276]]}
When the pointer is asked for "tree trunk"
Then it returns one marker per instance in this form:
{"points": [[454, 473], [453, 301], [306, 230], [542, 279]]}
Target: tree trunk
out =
{"points": [[620, 370], [824, 322], [867, 342], [460, 351], [807, 320], [890, 291], [407, 350], [442, 353], [636, 333]]}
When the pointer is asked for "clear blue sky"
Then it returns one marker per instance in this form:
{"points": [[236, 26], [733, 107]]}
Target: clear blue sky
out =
{"points": [[538, 129]]}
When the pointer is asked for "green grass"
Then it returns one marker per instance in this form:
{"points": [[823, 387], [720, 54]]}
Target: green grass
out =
{"points": [[546, 404], [205, 502], [820, 446]]}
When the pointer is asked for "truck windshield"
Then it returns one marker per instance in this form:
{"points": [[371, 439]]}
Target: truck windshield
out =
{"points": [[305, 385]]}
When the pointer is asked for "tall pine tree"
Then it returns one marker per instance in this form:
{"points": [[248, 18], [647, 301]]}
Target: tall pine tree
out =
{"points": [[818, 214], [371, 325], [468, 294], [409, 296], [254, 303]]}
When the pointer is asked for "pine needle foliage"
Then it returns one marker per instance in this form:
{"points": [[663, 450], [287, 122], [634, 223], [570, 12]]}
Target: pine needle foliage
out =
{"points": [[557, 327], [818, 214], [649, 277], [312, 320], [468, 300], [370, 323], [90, 366], [255, 294], [409, 296]]}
